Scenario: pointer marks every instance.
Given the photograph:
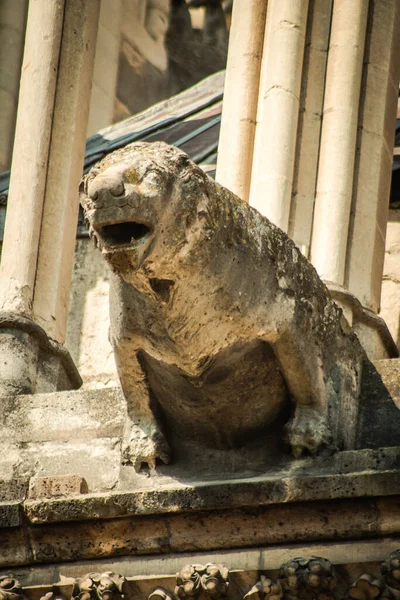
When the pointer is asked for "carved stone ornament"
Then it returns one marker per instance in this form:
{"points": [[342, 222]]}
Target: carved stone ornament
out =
{"points": [[10, 588], [104, 586], [265, 589], [54, 595], [307, 579], [310, 578], [160, 594], [209, 578], [212, 307], [391, 574], [366, 587]]}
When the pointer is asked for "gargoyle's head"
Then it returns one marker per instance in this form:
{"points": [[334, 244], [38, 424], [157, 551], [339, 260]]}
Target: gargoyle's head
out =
{"points": [[125, 198]]}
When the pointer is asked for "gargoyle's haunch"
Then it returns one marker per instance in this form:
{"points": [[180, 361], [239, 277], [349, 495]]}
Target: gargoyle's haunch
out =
{"points": [[217, 320]]}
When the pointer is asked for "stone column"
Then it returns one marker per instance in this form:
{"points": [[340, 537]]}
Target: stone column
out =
{"points": [[372, 173], [309, 127], [374, 155], [278, 110], [40, 227], [12, 35], [106, 66], [338, 139], [235, 149]]}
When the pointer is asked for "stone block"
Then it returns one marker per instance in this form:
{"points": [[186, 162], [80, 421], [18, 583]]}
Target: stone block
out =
{"points": [[63, 485], [96, 460], [14, 548], [10, 514], [63, 416], [13, 489]]}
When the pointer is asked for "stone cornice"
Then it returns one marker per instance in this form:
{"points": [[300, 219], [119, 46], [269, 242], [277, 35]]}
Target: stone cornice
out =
{"points": [[299, 578]]}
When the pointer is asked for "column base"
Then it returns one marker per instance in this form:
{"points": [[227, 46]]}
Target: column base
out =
{"points": [[30, 361], [370, 329]]}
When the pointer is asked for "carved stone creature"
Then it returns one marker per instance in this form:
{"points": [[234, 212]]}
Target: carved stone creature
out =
{"points": [[218, 322], [194, 579], [100, 586]]}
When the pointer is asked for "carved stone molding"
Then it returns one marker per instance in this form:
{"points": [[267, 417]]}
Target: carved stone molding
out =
{"points": [[312, 578], [10, 588], [54, 595], [307, 579], [265, 589], [104, 586], [366, 587], [160, 594], [209, 578], [390, 570]]}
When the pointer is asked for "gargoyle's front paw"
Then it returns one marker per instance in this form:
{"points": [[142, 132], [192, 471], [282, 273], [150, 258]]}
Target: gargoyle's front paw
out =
{"points": [[308, 432], [145, 445]]}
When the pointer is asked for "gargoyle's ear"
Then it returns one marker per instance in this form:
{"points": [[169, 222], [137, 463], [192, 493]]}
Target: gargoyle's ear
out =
{"points": [[185, 168]]}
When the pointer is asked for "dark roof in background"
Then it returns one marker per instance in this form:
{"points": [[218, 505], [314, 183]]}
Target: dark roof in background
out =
{"points": [[190, 120]]}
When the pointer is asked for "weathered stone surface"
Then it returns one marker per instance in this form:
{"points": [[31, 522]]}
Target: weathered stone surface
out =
{"points": [[96, 460], [30, 361], [305, 577], [389, 370], [378, 416], [14, 549], [73, 415], [13, 489], [11, 589], [104, 586], [377, 475], [213, 308], [10, 514], [51, 487]]}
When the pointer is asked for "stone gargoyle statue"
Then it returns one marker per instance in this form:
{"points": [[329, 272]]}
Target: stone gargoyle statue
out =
{"points": [[217, 320]]}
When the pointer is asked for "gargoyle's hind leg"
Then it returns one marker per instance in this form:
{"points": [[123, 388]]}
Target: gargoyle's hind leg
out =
{"points": [[309, 430], [143, 439]]}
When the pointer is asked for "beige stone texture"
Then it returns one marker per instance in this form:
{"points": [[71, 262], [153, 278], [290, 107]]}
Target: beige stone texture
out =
{"points": [[106, 66], [235, 149], [181, 308], [88, 319], [12, 33], [390, 300], [278, 109], [338, 139], [375, 145], [50, 487], [309, 127], [389, 370], [244, 565], [144, 25], [51, 435], [66, 153], [173, 535], [25, 200]]}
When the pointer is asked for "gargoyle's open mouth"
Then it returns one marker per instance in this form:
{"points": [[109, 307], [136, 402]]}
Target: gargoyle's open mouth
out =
{"points": [[124, 234]]}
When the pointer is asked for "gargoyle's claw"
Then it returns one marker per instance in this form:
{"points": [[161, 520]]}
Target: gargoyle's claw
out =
{"points": [[308, 432], [146, 448]]}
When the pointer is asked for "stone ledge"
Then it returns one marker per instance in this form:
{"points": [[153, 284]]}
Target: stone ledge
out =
{"points": [[377, 475], [140, 576], [200, 531]]}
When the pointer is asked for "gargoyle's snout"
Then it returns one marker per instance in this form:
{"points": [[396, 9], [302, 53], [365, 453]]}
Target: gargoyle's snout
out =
{"points": [[104, 188], [115, 212]]}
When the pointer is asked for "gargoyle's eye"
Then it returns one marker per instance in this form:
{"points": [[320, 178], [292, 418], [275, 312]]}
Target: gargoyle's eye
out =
{"points": [[153, 179]]}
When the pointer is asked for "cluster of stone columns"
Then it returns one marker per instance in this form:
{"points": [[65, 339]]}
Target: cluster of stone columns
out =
{"points": [[40, 229], [12, 34], [309, 141]]}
